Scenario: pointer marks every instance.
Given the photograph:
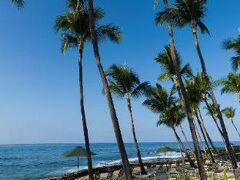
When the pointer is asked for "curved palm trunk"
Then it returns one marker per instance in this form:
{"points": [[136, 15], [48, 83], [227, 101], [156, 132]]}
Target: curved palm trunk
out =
{"points": [[184, 135], [112, 111], [185, 100], [182, 147], [231, 153], [214, 119], [205, 138], [200, 139], [216, 123], [183, 160], [235, 127], [143, 171], [181, 98], [84, 120], [205, 131]]}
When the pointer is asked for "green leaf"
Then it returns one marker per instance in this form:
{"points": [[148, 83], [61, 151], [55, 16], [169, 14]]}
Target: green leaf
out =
{"points": [[225, 177]]}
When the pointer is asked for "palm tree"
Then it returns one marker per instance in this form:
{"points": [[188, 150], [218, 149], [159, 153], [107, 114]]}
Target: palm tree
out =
{"points": [[196, 89], [125, 83], [171, 114], [231, 84], [229, 112], [76, 33], [168, 72], [18, 3], [108, 95], [191, 12], [234, 44], [183, 94]]}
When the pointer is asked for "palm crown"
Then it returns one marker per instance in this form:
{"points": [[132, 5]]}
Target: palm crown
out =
{"points": [[196, 90], [234, 44], [168, 72], [123, 81], [185, 12], [160, 101], [18, 3], [211, 110], [75, 26], [229, 112], [158, 98], [231, 84]]}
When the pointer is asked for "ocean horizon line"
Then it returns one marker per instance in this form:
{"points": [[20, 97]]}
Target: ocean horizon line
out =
{"points": [[82, 143]]}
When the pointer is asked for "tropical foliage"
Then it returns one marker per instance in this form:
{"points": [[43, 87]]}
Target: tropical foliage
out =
{"points": [[74, 26], [125, 83], [234, 44], [82, 23], [18, 3], [231, 84], [229, 112]]}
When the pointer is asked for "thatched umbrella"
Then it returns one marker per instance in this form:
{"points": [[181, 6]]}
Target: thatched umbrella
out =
{"points": [[77, 152]]}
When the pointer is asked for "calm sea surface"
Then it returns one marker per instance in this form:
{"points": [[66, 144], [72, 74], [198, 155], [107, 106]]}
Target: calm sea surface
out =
{"points": [[27, 162]]}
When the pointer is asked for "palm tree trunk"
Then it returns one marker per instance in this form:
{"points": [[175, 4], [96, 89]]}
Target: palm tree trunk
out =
{"points": [[214, 119], [205, 138], [216, 123], [181, 98], [200, 139], [184, 135], [235, 127], [205, 131], [231, 153], [185, 100], [84, 120], [129, 105], [181, 151], [182, 147], [108, 95]]}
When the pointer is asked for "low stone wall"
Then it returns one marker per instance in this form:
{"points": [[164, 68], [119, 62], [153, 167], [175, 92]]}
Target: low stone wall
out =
{"points": [[111, 168]]}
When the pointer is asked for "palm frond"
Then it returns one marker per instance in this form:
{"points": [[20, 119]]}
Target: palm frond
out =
{"points": [[229, 112], [18, 3], [109, 31], [203, 27], [141, 89], [68, 41]]}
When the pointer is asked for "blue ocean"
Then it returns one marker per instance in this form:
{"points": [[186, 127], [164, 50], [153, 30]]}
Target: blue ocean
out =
{"points": [[36, 161]]}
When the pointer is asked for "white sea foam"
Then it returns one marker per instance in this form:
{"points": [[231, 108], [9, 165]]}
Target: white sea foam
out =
{"points": [[159, 156], [66, 170]]}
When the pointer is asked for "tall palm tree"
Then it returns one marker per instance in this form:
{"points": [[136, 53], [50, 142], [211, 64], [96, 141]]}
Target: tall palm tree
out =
{"points": [[234, 44], [125, 83], [108, 95], [74, 26], [231, 84], [18, 3], [229, 112], [185, 100], [195, 91], [191, 12], [198, 90], [168, 72], [171, 113]]}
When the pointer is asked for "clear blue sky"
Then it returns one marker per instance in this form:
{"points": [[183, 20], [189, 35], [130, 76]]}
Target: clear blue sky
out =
{"points": [[39, 97]]}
